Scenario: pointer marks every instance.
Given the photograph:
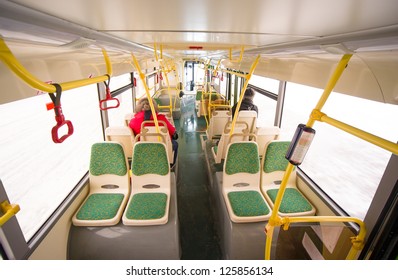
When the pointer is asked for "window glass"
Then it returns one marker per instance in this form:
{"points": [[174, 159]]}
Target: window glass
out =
{"points": [[199, 73], [347, 168], [266, 110], [117, 116], [265, 83], [223, 83], [119, 81], [266, 106], [37, 173]]}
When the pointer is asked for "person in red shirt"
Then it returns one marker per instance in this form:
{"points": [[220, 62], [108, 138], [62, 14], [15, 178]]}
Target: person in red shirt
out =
{"points": [[144, 113]]}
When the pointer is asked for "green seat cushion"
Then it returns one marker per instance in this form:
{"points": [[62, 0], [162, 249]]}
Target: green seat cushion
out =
{"points": [[100, 206], [275, 156], [150, 158], [147, 206], [242, 157], [107, 158], [292, 202], [248, 203]]}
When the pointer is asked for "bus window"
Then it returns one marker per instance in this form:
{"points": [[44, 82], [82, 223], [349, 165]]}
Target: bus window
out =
{"points": [[266, 105], [265, 83], [347, 168], [119, 81], [266, 110], [116, 115], [37, 173]]}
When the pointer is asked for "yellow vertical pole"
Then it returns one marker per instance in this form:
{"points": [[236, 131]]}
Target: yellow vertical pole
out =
{"points": [[142, 76], [242, 93], [275, 220], [330, 85], [166, 73]]}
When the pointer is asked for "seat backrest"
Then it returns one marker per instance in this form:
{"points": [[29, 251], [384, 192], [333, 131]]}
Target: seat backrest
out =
{"points": [[122, 134], [242, 164], [127, 118], [250, 117], [274, 163], [109, 186], [149, 134], [168, 116], [108, 169], [240, 134], [218, 120], [150, 167], [265, 135]]}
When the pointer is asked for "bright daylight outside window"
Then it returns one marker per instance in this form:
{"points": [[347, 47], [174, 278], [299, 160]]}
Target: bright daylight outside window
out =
{"points": [[266, 105], [116, 115], [37, 173], [347, 168]]}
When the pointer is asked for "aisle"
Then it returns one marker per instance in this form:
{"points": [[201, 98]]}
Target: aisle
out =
{"points": [[197, 229]]}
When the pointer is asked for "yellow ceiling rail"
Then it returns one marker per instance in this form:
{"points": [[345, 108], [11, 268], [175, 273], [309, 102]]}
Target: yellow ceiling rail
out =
{"points": [[239, 74], [10, 60]]}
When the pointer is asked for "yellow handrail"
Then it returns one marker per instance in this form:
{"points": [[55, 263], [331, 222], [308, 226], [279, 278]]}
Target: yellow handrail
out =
{"points": [[242, 75], [275, 220], [376, 140], [168, 88], [330, 85], [166, 68], [242, 93], [357, 241], [10, 60], [142, 77], [240, 55], [9, 210], [217, 67]]}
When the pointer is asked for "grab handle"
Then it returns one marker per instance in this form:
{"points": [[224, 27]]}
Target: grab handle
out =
{"points": [[108, 97], [60, 123], [59, 117]]}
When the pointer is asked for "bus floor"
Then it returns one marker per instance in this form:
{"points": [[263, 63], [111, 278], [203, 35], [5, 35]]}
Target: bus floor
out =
{"points": [[198, 235]]}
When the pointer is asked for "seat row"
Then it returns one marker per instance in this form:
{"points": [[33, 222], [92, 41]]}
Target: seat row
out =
{"points": [[141, 198], [250, 185], [125, 136], [220, 126]]}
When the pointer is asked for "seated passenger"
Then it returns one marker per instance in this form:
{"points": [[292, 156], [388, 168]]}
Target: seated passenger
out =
{"points": [[144, 113], [247, 102]]}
